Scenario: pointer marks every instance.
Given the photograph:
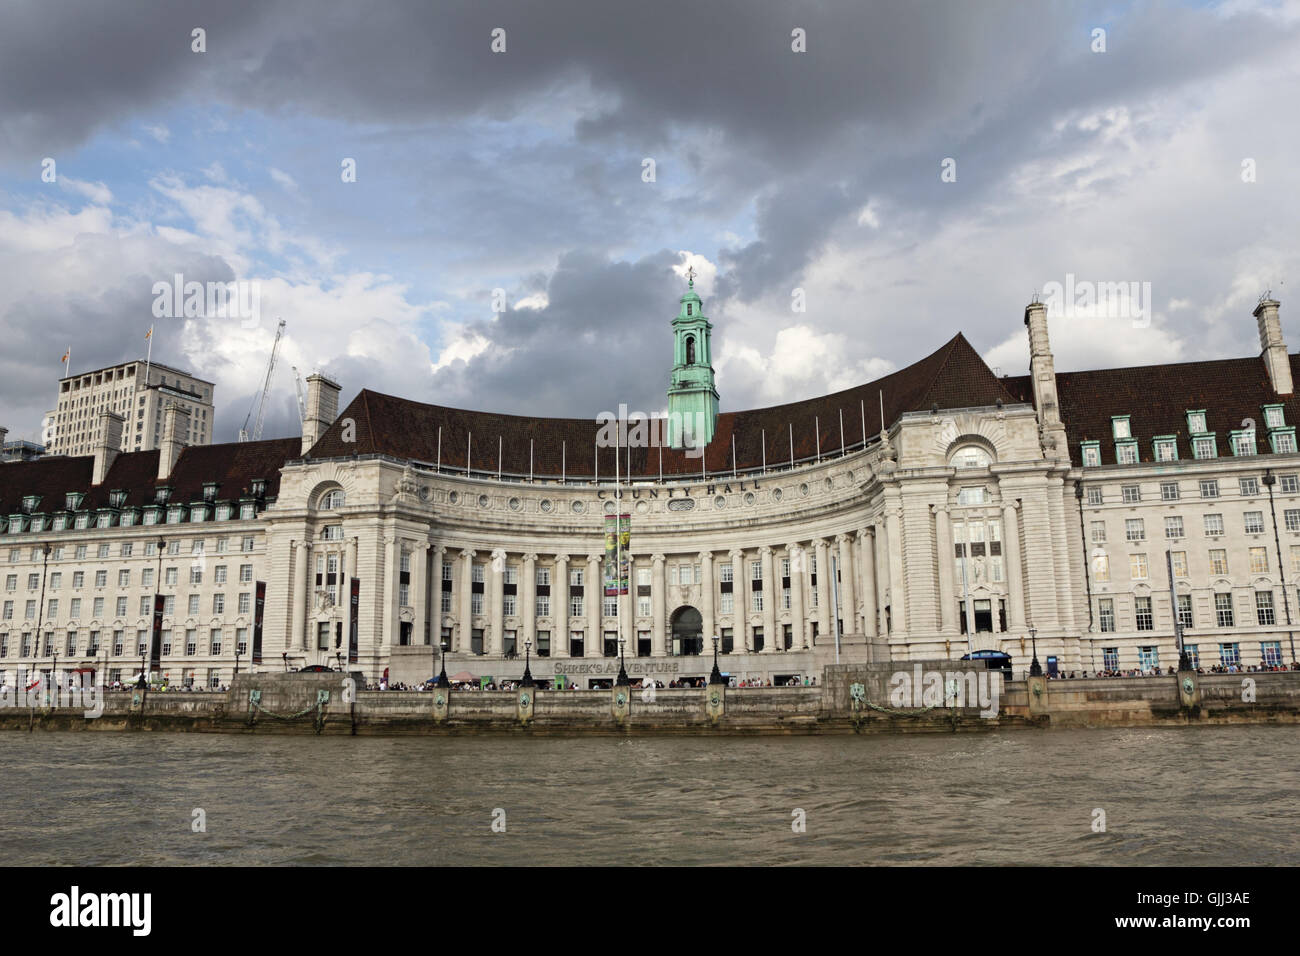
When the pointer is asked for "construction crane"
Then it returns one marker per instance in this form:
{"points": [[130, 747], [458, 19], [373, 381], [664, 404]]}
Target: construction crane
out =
{"points": [[297, 385], [261, 405]]}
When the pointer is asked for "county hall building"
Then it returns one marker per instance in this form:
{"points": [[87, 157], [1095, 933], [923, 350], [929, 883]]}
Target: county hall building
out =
{"points": [[986, 509]]}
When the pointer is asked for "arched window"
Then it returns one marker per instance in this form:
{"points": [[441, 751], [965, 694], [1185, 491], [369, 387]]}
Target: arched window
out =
{"points": [[971, 456], [690, 350], [331, 500]]}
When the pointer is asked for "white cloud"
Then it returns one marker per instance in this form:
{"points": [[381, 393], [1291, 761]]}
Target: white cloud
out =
{"points": [[283, 178], [97, 193], [159, 132]]}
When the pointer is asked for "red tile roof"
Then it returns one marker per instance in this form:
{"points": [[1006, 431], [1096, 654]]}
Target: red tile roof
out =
{"points": [[954, 376], [1157, 398], [233, 466]]}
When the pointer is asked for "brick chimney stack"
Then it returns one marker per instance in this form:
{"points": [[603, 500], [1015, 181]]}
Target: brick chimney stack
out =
{"points": [[1273, 346], [176, 421], [109, 444], [322, 409]]}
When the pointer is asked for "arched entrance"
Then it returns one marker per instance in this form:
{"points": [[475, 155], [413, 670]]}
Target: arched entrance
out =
{"points": [[687, 631]]}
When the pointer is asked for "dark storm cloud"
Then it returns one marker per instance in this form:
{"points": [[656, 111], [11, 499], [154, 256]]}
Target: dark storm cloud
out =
{"points": [[600, 341]]}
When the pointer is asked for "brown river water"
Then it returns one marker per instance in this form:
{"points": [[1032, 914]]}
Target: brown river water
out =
{"points": [[1179, 796]]}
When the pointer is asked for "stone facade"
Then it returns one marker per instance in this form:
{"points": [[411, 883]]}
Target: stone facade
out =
{"points": [[956, 518]]}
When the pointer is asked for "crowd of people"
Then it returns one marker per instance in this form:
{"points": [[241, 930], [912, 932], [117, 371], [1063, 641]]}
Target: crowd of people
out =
{"points": [[1172, 671], [636, 684]]}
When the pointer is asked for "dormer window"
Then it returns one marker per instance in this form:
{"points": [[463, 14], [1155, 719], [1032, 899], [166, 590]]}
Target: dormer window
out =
{"points": [[1126, 452], [259, 487], [1274, 417], [1119, 427], [161, 495], [1282, 440], [1196, 422], [209, 491], [1205, 446], [1165, 448], [117, 499], [1243, 442], [1091, 453], [72, 500], [31, 502], [174, 514]]}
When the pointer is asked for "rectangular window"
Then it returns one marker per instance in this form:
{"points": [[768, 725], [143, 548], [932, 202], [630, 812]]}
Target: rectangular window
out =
{"points": [[1265, 616], [1258, 560], [1243, 442], [1137, 564], [1179, 561], [1166, 449], [1196, 422], [245, 603], [1091, 454], [1101, 568], [728, 603], [214, 641], [218, 604], [508, 605], [1249, 487], [1230, 655], [1214, 526], [609, 607], [1130, 493], [1193, 654], [1095, 496], [575, 577], [1270, 653], [756, 601], [1218, 561], [543, 602], [1205, 446], [124, 578], [575, 605], [1126, 453], [121, 607], [1173, 526], [1110, 658], [1291, 517], [1119, 427], [245, 573], [193, 605], [1223, 610], [1106, 614], [1149, 658], [1254, 522], [1169, 490], [1185, 611], [476, 603], [1290, 484], [1142, 614], [1134, 529], [1098, 532]]}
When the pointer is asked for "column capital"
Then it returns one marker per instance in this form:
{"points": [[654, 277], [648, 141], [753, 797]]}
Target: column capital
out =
{"points": [[705, 555], [820, 543], [658, 559], [530, 558], [841, 538], [303, 545], [439, 549], [793, 547], [765, 550], [1012, 505], [736, 552], [561, 559], [468, 553], [596, 557], [939, 509]]}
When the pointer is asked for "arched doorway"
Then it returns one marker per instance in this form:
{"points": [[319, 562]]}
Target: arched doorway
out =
{"points": [[688, 631]]}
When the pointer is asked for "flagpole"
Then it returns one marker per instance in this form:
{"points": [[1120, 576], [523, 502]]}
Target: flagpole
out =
{"points": [[618, 547]]}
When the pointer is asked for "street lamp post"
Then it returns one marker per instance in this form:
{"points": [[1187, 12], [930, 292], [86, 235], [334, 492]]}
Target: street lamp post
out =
{"points": [[528, 674], [1270, 480], [622, 680], [40, 609], [1035, 668], [715, 676], [442, 674], [162, 547]]}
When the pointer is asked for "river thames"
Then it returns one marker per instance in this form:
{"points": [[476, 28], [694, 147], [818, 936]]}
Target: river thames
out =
{"points": [[1184, 796]]}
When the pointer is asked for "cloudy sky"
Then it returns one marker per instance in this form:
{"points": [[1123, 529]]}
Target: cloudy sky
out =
{"points": [[524, 170]]}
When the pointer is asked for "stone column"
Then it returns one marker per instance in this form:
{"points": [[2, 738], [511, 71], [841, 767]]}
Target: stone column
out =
{"points": [[825, 613], [419, 591], [1015, 575], [594, 596], [389, 635], [347, 572], [560, 607], [465, 632], [658, 602], [867, 576], [708, 613], [527, 596], [301, 600], [770, 639], [797, 578], [897, 597], [949, 620], [739, 601], [435, 595], [848, 598], [496, 593]]}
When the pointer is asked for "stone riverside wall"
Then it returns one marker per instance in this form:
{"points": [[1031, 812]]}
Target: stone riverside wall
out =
{"points": [[288, 703]]}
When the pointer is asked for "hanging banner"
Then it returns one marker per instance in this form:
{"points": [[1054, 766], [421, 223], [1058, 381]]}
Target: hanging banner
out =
{"points": [[259, 607], [618, 538]]}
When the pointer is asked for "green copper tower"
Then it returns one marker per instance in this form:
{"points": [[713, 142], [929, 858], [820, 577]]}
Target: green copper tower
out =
{"points": [[692, 395]]}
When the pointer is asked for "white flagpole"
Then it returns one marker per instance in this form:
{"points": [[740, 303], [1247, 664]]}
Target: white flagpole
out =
{"points": [[563, 463], [764, 432], [618, 544], [149, 357], [469, 450], [439, 449], [68, 361], [841, 433], [499, 441], [733, 454], [862, 409], [530, 459], [791, 425], [882, 411], [817, 428]]}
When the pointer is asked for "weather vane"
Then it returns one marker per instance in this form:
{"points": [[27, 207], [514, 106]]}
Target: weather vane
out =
{"points": [[690, 275]]}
